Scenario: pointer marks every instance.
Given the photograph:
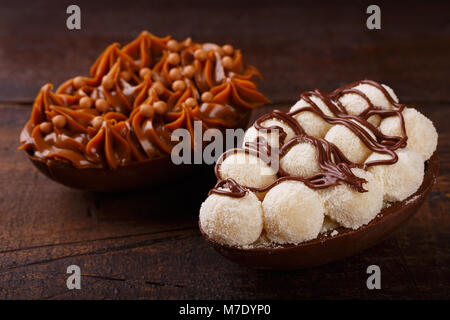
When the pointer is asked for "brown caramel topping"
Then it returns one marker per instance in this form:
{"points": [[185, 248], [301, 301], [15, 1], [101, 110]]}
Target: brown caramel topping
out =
{"points": [[103, 120], [335, 167]]}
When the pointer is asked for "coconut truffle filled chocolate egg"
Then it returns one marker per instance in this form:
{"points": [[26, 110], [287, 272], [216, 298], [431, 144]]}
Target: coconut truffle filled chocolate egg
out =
{"points": [[421, 133], [293, 213], [401, 179], [337, 176], [301, 160], [350, 208], [312, 123], [247, 169], [230, 220]]}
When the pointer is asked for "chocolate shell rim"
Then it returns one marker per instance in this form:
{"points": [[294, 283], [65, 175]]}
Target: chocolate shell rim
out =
{"points": [[431, 173], [68, 164]]}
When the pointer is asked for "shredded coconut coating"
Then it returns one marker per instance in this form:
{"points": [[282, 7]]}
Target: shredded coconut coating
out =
{"points": [[248, 170], [349, 143], [422, 135], [313, 124], [401, 179], [232, 221], [293, 213], [301, 160], [350, 208]]}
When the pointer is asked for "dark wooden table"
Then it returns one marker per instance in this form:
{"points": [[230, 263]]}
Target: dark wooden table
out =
{"points": [[146, 244]]}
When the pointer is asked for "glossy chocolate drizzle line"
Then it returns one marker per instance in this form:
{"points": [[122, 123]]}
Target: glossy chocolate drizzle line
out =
{"points": [[333, 163], [229, 187]]}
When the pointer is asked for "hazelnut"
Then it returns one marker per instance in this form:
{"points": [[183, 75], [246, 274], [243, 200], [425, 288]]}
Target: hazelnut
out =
{"points": [[86, 102], [158, 87], [101, 105], [160, 107], [59, 121], [45, 127], [108, 82], [189, 71], [200, 54], [144, 72], [207, 96], [147, 110], [173, 58], [191, 102], [175, 74], [125, 75], [227, 62], [172, 45], [228, 49], [97, 122], [178, 85], [79, 82]]}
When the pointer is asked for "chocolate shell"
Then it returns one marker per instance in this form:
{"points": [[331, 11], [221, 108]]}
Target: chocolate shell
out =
{"points": [[327, 248], [112, 130]]}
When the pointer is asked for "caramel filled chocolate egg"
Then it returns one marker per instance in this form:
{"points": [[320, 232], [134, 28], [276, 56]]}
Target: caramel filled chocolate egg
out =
{"points": [[114, 123]]}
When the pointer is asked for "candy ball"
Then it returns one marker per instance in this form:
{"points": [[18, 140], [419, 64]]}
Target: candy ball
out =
{"points": [[301, 160], [401, 179], [350, 208], [232, 221], [313, 124], [349, 143], [422, 135], [273, 137], [247, 170], [328, 224], [293, 213]]}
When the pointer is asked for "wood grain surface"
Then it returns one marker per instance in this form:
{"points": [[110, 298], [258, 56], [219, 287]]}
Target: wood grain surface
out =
{"points": [[146, 244]]}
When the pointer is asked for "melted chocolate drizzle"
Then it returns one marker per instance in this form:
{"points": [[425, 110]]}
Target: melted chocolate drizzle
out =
{"points": [[335, 166]]}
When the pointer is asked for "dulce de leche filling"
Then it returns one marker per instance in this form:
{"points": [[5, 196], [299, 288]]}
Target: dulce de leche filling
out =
{"points": [[334, 165], [135, 97]]}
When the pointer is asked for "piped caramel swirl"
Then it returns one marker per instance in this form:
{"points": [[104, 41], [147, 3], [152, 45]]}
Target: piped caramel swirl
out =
{"points": [[135, 97]]}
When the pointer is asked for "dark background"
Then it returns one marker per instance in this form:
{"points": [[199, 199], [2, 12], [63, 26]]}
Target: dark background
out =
{"points": [[146, 244]]}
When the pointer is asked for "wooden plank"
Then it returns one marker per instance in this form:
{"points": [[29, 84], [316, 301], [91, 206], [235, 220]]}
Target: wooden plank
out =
{"points": [[297, 46]]}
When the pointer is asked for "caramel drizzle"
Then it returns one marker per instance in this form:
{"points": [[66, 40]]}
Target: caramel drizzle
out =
{"points": [[127, 135], [333, 163]]}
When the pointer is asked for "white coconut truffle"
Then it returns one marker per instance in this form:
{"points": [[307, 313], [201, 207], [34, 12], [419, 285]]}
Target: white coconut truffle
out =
{"points": [[349, 143], [422, 135], [401, 179], [355, 104], [273, 137], [301, 160], [313, 124], [247, 170], [293, 213], [232, 221], [350, 208]]}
